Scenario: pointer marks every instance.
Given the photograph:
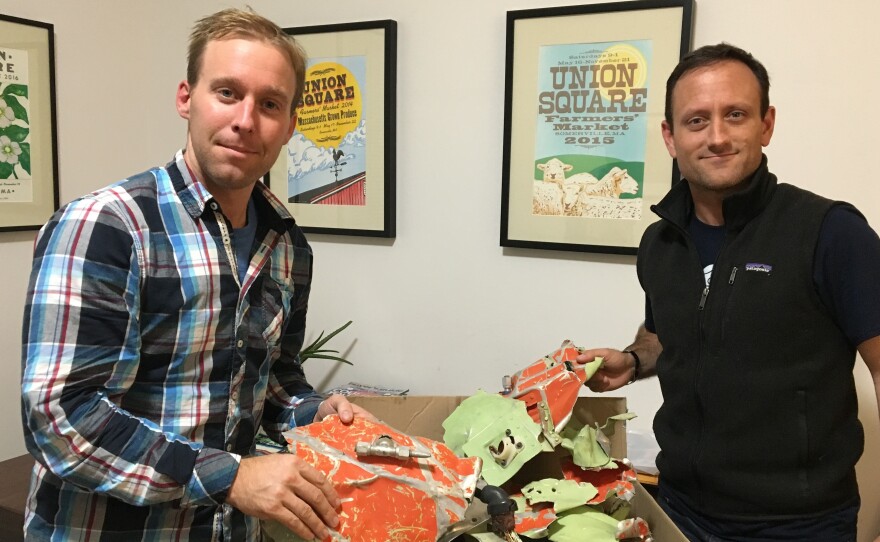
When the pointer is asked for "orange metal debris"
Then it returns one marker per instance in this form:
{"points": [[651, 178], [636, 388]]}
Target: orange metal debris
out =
{"points": [[535, 517], [633, 528], [386, 499], [616, 482], [554, 382]]}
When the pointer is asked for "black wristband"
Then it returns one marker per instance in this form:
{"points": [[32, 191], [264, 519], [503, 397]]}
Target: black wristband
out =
{"points": [[636, 368]]}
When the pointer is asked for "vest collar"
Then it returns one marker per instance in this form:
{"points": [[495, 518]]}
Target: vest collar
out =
{"points": [[738, 209]]}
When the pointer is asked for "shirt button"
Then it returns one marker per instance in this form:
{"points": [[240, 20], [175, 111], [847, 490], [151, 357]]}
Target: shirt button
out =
{"points": [[240, 343], [229, 447], [235, 395]]}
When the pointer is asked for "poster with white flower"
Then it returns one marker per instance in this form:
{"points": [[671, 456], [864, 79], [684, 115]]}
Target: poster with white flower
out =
{"points": [[16, 184]]}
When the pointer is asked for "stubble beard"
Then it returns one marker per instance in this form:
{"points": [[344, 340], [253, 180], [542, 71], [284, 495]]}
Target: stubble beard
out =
{"points": [[721, 183], [223, 174]]}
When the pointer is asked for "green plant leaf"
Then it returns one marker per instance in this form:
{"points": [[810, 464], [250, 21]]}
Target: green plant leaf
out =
{"points": [[5, 170], [16, 133], [321, 342], [316, 342], [25, 157], [315, 350], [16, 90], [325, 356], [19, 110]]}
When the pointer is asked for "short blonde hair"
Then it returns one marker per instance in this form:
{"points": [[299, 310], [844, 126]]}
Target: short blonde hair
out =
{"points": [[239, 23]]}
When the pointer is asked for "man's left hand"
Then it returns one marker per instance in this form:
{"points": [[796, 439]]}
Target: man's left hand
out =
{"points": [[339, 404]]}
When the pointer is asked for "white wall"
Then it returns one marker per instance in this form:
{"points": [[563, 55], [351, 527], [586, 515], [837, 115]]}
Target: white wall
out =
{"points": [[443, 309]]}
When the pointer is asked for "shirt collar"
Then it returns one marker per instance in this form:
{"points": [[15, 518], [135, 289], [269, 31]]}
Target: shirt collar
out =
{"points": [[195, 197]]}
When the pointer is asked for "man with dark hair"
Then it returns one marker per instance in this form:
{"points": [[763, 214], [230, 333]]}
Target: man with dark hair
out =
{"points": [[758, 295], [713, 54], [163, 323]]}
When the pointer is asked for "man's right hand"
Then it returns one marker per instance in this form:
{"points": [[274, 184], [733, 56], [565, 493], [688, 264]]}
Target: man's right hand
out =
{"points": [[616, 371], [288, 490]]}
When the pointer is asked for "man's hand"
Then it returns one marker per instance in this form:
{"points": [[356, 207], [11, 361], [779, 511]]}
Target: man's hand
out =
{"points": [[618, 368], [339, 404], [616, 371], [288, 490]]}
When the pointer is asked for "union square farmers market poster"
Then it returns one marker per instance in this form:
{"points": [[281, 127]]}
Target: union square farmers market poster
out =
{"points": [[591, 130], [329, 146]]}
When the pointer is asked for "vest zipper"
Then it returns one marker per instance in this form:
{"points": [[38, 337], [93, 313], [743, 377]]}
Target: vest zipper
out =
{"points": [[706, 289], [703, 349]]}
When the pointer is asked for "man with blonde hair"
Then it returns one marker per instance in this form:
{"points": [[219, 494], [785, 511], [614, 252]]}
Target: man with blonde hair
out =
{"points": [[163, 322]]}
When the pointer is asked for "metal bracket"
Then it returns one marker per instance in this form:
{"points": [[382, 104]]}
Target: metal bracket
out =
{"points": [[385, 446], [547, 426]]}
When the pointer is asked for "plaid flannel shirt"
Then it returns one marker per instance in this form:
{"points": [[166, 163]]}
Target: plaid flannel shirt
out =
{"points": [[148, 368]]}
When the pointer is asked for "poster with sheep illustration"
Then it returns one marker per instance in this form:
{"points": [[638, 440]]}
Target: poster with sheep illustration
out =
{"points": [[590, 140], [584, 95]]}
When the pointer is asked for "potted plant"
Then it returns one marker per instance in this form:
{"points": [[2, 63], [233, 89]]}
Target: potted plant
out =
{"points": [[316, 348]]}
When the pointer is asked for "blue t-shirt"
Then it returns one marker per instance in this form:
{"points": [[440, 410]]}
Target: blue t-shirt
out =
{"points": [[243, 240], [846, 270]]}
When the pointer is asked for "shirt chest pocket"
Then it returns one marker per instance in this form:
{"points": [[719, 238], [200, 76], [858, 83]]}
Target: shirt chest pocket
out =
{"points": [[270, 310]]}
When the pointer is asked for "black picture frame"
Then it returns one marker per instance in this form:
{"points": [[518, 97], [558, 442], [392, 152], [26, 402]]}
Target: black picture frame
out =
{"points": [[363, 55], [28, 126], [585, 86]]}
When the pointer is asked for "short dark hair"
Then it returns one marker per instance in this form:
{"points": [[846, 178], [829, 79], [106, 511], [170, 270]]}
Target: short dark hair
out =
{"points": [[713, 54]]}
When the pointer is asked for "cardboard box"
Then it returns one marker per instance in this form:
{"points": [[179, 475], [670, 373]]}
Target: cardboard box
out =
{"points": [[423, 416]]}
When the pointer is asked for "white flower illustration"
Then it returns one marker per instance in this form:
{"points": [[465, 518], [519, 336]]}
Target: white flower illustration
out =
{"points": [[9, 150], [7, 115]]}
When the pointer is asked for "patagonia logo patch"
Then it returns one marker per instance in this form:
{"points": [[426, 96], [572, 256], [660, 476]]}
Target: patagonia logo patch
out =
{"points": [[759, 267]]}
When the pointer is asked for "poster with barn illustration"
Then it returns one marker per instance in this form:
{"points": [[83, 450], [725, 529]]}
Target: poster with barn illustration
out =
{"points": [[590, 142], [327, 153], [16, 184]]}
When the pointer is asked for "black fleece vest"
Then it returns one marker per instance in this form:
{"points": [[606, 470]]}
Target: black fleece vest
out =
{"points": [[759, 415]]}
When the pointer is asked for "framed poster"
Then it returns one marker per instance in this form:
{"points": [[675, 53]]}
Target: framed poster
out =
{"points": [[337, 173], [28, 147], [584, 157]]}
